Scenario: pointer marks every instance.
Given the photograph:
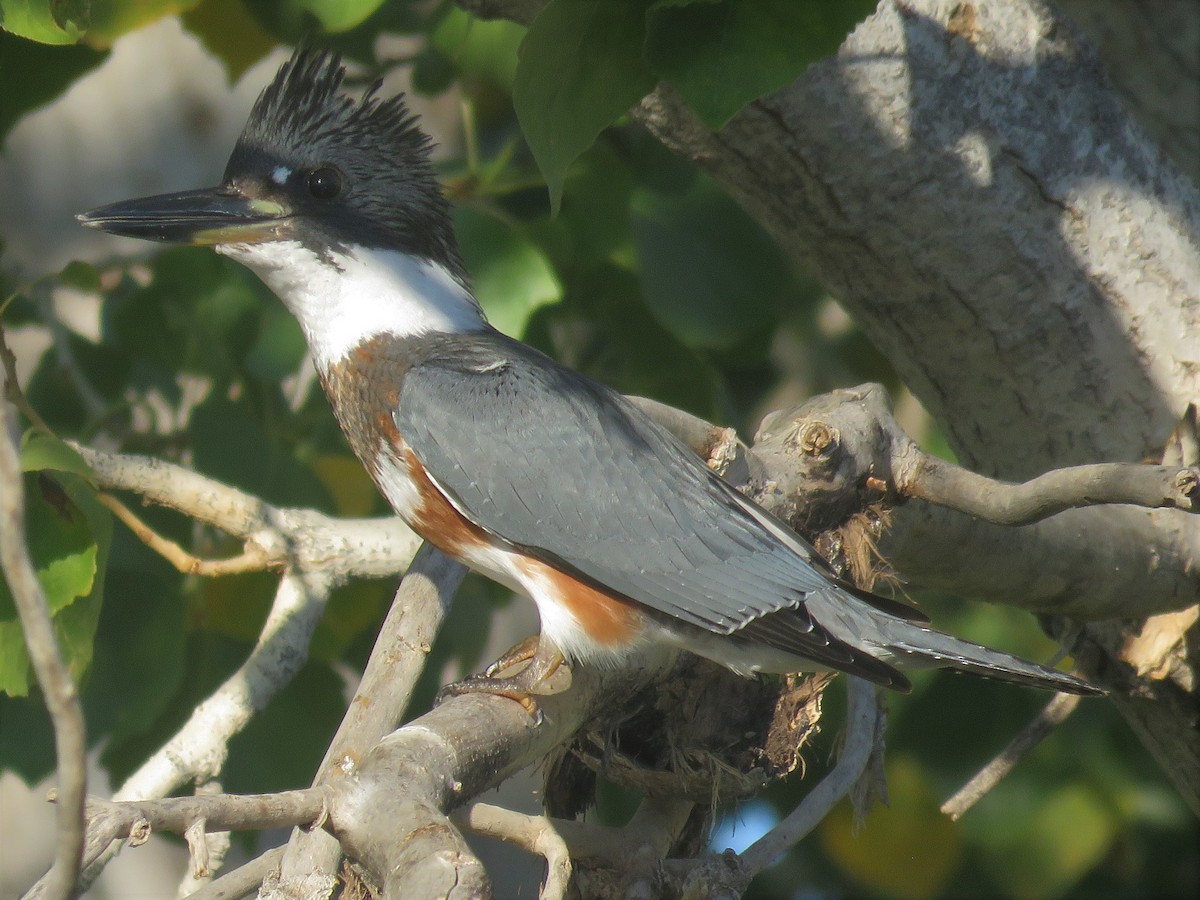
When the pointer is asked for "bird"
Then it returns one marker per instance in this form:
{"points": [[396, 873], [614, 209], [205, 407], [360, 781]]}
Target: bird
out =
{"points": [[529, 472]]}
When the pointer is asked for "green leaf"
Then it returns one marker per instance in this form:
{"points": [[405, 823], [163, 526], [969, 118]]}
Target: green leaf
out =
{"points": [[720, 56], [199, 313], [26, 737], [907, 847], [709, 273], [1058, 835], [113, 18], [40, 450], [230, 33], [33, 74], [340, 15], [143, 621], [68, 535], [512, 275], [46, 21], [485, 49], [580, 67], [80, 275]]}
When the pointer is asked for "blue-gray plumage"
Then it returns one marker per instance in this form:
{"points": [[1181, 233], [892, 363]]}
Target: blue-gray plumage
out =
{"points": [[526, 470]]}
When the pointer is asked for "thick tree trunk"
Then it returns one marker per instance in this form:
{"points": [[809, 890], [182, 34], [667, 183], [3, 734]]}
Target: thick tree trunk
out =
{"points": [[966, 180]]}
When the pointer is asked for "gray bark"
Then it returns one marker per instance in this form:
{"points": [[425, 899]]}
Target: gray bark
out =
{"points": [[967, 182]]}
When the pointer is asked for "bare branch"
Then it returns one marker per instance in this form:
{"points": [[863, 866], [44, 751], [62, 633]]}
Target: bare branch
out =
{"points": [[1153, 487], [1054, 714], [253, 560], [405, 639], [862, 719], [243, 880], [58, 687], [393, 815], [349, 548], [534, 834], [109, 821]]}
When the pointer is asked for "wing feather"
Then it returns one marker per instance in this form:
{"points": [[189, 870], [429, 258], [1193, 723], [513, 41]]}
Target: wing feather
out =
{"points": [[571, 473]]}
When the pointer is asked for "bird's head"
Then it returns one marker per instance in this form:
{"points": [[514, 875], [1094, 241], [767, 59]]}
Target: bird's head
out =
{"points": [[311, 166]]}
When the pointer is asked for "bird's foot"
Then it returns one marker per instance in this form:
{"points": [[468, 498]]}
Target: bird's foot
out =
{"points": [[515, 655], [542, 660]]}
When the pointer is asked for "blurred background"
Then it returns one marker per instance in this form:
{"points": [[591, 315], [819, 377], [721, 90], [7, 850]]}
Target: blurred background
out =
{"points": [[648, 279]]}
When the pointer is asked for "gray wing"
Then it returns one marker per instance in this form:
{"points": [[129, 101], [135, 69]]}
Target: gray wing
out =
{"points": [[573, 474]]}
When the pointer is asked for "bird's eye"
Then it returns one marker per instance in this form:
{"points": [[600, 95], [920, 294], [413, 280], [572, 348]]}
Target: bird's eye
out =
{"points": [[325, 182]]}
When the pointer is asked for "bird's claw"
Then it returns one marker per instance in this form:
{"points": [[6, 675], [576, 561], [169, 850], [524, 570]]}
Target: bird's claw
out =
{"points": [[500, 687]]}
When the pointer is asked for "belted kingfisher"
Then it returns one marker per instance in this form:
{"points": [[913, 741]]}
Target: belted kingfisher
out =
{"points": [[525, 470]]}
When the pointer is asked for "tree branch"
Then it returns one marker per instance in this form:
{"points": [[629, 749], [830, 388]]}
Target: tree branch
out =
{"points": [[354, 548], [242, 881], [1053, 715], [395, 822], [862, 724], [420, 606], [58, 687], [534, 834], [110, 821]]}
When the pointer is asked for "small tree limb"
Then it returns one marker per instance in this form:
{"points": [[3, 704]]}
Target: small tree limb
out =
{"points": [[421, 603], [254, 559], [242, 881], [1052, 715], [538, 835], [58, 687], [862, 720], [109, 821]]}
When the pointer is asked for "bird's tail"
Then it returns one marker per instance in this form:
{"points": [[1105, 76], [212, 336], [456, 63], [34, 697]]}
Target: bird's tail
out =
{"points": [[913, 645]]}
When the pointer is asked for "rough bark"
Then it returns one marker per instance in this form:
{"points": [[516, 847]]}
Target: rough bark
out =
{"points": [[966, 181]]}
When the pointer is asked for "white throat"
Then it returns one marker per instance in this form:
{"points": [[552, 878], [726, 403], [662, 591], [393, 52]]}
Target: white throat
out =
{"points": [[349, 297]]}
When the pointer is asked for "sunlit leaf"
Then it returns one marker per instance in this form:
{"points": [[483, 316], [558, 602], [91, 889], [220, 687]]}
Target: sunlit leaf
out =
{"points": [[230, 33], [340, 15], [34, 74], [67, 533], [905, 849], [46, 21], [486, 49], [40, 450], [722, 55], [512, 276], [580, 67], [1057, 835], [113, 18]]}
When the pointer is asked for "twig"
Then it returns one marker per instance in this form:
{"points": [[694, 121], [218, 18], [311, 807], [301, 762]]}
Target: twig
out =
{"points": [[243, 880], [110, 820], [207, 849], [1152, 487], [534, 834], [199, 748], [58, 688], [1053, 714], [861, 719], [11, 387], [65, 355], [397, 659], [348, 548], [254, 559]]}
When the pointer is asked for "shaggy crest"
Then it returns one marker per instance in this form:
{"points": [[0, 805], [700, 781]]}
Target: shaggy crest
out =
{"points": [[304, 104], [392, 197]]}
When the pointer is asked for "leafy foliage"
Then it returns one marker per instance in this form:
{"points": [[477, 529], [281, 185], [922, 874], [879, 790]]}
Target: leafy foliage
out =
{"points": [[636, 270]]}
